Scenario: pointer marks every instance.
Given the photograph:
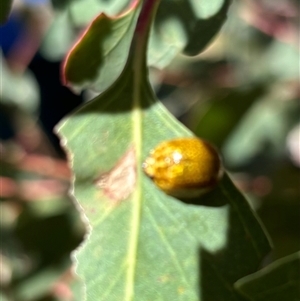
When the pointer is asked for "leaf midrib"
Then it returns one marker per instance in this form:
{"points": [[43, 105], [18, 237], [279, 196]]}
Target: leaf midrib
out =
{"points": [[137, 65]]}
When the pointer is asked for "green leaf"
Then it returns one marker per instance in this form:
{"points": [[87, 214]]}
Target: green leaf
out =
{"points": [[19, 90], [151, 242], [278, 281], [184, 26], [277, 62], [40, 283], [61, 4], [263, 129], [143, 244], [5, 8], [225, 112], [141, 241], [3, 296], [59, 37], [83, 11], [100, 56]]}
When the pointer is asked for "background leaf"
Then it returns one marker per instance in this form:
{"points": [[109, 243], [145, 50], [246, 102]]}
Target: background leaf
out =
{"points": [[19, 90], [184, 26], [225, 112], [264, 127], [84, 11], [61, 34], [40, 283], [100, 55], [278, 281]]}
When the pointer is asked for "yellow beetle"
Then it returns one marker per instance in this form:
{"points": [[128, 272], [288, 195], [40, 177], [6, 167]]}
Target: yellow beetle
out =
{"points": [[184, 167]]}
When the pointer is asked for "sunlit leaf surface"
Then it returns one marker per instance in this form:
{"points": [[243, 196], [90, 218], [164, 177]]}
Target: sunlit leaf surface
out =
{"points": [[143, 244]]}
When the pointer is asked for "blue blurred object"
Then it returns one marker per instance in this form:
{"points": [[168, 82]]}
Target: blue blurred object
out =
{"points": [[9, 33], [56, 99], [14, 26]]}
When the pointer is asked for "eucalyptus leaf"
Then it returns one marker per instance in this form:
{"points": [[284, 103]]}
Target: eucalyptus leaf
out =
{"points": [[225, 113], [40, 283], [20, 90], [143, 243], [280, 61], [62, 4], [83, 11], [3, 296], [184, 26], [263, 130], [59, 38], [100, 55], [278, 281]]}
